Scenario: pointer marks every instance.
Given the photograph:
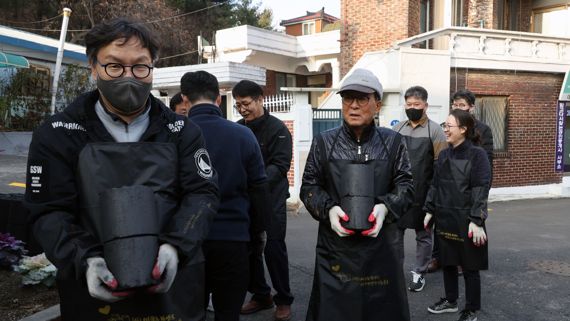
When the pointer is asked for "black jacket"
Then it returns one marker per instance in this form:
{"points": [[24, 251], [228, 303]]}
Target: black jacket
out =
{"points": [[237, 159], [486, 136], [313, 192], [53, 199], [479, 177], [276, 147]]}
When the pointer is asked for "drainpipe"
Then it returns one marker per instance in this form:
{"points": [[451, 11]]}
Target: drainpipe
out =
{"points": [[66, 14]]}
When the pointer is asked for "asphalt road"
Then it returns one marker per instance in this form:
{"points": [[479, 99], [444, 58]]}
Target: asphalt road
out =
{"points": [[524, 236]]}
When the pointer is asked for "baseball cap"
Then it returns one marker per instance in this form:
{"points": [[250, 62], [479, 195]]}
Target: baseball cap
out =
{"points": [[362, 80]]}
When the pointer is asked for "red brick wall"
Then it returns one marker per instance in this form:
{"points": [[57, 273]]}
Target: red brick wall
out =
{"points": [[531, 128], [291, 174], [481, 10], [372, 25], [270, 83]]}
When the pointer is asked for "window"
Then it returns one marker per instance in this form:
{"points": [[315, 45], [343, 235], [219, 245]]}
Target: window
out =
{"points": [[492, 110], [552, 21], [457, 13], [284, 80], [308, 28]]}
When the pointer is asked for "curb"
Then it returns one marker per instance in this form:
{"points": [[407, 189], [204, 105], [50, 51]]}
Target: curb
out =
{"points": [[49, 314]]}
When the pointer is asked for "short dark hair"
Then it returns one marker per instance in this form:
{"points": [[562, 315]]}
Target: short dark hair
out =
{"points": [[464, 94], [418, 92], [466, 119], [106, 32], [175, 101], [199, 85], [247, 88]]}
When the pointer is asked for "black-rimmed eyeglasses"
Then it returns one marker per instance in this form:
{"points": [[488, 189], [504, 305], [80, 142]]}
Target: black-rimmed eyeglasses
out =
{"points": [[116, 70], [360, 101]]}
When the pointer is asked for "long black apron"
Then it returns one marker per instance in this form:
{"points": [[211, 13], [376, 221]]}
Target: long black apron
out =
{"points": [[108, 165], [357, 277], [421, 154], [453, 206]]}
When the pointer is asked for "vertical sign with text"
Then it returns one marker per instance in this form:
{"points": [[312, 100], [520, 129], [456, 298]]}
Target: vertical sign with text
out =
{"points": [[560, 124]]}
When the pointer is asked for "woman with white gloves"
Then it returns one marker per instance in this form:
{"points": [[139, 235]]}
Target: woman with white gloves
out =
{"points": [[457, 204]]}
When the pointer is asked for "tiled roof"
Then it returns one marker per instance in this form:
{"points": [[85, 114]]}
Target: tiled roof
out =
{"points": [[310, 16]]}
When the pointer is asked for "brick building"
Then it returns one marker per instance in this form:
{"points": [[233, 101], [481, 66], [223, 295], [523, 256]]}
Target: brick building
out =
{"points": [[512, 54]]}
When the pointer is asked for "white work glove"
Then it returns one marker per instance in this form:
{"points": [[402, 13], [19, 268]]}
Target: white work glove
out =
{"points": [[165, 268], [477, 233], [427, 218], [335, 215], [101, 282], [377, 216]]}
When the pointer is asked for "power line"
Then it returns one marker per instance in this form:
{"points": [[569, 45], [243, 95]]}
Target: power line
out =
{"points": [[185, 14], [178, 55], [32, 22], [147, 22]]}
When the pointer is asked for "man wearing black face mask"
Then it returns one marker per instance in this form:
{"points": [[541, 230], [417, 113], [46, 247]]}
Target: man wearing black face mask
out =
{"points": [[425, 139], [111, 141]]}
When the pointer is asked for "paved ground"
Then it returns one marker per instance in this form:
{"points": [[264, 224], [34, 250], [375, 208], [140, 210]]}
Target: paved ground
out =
{"points": [[524, 235], [521, 234]]}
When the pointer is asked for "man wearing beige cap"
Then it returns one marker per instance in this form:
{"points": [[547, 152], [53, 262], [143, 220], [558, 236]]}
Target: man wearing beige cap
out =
{"points": [[357, 184]]}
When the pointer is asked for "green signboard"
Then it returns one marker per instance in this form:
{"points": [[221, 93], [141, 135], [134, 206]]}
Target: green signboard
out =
{"points": [[565, 91]]}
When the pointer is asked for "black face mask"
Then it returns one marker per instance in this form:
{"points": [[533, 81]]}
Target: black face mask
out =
{"points": [[127, 95], [414, 114]]}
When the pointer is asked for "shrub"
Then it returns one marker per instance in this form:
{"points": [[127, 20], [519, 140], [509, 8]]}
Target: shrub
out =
{"points": [[11, 250]]}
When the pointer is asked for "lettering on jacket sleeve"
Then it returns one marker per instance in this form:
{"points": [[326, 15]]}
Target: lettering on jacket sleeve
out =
{"points": [[176, 126], [37, 180], [68, 126]]}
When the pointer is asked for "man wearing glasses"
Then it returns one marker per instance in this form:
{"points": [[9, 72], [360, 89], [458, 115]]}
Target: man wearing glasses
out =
{"points": [[114, 139], [357, 184], [465, 100], [276, 148]]}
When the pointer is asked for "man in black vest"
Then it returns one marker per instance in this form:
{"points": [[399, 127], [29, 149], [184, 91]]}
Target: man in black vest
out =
{"points": [[424, 139]]}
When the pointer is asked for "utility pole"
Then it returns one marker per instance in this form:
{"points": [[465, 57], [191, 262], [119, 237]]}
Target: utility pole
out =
{"points": [[66, 14]]}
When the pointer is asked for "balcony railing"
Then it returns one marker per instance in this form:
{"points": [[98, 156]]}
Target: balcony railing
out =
{"points": [[465, 42], [280, 103]]}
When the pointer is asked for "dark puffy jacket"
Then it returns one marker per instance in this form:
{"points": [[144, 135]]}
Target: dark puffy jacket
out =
{"points": [[58, 218], [317, 199], [277, 149]]}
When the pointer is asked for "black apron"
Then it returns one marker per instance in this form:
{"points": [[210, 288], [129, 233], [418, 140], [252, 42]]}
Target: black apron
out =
{"points": [[108, 165], [421, 154], [357, 277], [453, 206]]}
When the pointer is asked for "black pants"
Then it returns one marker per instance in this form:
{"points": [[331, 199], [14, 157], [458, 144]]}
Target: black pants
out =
{"points": [[227, 276], [278, 266], [472, 287]]}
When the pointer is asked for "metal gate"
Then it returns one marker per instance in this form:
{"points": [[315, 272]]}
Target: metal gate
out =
{"points": [[324, 119]]}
